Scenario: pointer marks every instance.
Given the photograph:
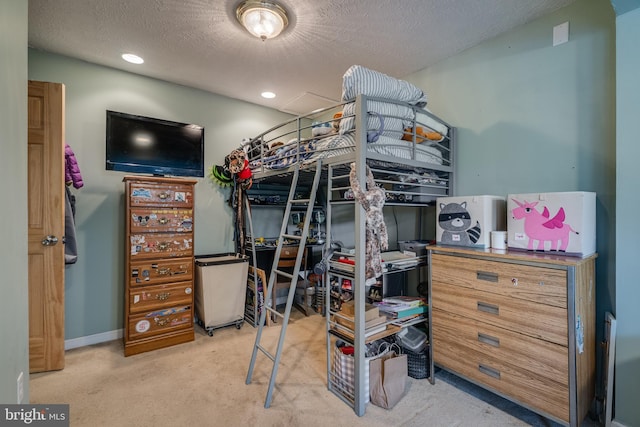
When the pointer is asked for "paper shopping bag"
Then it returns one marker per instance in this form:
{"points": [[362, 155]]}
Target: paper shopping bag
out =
{"points": [[388, 379]]}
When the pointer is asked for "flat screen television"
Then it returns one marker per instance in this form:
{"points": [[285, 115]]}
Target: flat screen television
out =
{"points": [[141, 144]]}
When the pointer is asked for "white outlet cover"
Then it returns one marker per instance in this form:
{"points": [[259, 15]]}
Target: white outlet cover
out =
{"points": [[561, 34]]}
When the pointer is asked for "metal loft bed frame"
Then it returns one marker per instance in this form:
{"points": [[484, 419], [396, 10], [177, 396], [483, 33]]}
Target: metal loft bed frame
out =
{"points": [[412, 174]]}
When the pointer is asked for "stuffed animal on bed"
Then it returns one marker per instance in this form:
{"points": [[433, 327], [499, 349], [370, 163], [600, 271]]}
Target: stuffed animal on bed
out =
{"points": [[336, 121], [376, 238], [422, 135], [273, 148]]}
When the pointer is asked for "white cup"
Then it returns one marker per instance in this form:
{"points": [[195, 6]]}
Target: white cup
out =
{"points": [[499, 239]]}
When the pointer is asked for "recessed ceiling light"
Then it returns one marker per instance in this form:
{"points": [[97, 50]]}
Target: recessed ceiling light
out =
{"points": [[134, 59], [268, 95]]}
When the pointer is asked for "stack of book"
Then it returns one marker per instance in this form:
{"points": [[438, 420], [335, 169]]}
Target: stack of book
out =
{"points": [[402, 307], [371, 327], [376, 324], [343, 263]]}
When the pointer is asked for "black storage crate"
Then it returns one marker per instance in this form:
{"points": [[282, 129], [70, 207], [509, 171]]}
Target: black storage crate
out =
{"points": [[417, 363]]}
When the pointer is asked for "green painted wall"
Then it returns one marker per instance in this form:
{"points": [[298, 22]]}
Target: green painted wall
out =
{"points": [[14, 347], [532, 117], [627, 387], [94, 285]]}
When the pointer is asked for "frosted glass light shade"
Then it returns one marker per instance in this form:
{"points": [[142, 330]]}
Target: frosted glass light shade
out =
{"points": [[263, 19]]}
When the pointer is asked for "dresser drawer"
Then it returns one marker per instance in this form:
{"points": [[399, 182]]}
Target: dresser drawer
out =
{"points": [[161, 194], [540, 357], [528, 283], [159, 296], [159, 322], [158, 245], [152, 272], [161, 220], [527, 388], [537, 320]]}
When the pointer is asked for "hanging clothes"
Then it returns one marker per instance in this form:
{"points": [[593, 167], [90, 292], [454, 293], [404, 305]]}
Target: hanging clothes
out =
{"points": [[72, 176], [376, 238], [70, 244]]}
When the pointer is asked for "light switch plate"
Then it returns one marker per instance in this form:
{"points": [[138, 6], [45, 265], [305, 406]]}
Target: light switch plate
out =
{"points": [[561, 34]]}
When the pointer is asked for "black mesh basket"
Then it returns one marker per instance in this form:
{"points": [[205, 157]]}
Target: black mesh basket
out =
{"points": [[417, 363]]}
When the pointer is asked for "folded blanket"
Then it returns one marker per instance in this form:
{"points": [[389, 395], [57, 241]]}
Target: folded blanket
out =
{"points": [[358, 80], [396, 118]]}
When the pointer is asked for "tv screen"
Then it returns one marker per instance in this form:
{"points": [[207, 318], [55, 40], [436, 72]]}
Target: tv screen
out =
{"points": [[140, 144]]}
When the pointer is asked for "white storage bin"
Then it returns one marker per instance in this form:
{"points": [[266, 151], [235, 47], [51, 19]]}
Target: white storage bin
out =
{"points": [[220, 290], [563, 222], [468, 221]]}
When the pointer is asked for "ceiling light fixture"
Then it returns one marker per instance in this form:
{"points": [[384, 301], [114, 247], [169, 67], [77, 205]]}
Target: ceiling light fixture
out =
{"points": [[262, 19], [134, 59], [268, 95]]}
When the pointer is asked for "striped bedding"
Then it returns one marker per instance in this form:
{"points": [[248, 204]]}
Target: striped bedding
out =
{"points": [[358, 80], [336, 145], [388, 118]]}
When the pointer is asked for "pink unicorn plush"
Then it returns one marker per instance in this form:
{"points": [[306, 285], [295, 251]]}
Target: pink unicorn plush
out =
{"points": [[538, 226]]}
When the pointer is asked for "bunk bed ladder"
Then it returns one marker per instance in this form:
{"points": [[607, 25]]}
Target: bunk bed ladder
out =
{"points": [[270, 306]]}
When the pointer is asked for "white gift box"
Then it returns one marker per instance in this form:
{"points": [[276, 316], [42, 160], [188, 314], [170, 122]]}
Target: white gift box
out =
{"points": [[562, 223], [468, 221]]}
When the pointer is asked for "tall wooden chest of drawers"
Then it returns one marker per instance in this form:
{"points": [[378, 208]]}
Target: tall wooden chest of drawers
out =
{"points": [[159, 263], [519, 324]]}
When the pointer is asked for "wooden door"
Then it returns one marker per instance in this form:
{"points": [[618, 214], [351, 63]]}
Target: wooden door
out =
{"points": [[46, 226]]}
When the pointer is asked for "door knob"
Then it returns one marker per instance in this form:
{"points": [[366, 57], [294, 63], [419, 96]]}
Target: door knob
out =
{"points": [[49, 241]]}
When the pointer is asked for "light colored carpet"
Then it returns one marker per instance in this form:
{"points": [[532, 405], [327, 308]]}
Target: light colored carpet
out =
{"points": [[202, 383]]}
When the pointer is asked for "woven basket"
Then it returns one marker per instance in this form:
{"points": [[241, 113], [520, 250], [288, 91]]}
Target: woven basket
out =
{"points": [[417, 363]]}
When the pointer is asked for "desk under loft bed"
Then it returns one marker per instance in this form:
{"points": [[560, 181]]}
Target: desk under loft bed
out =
{"points": [[384, 125]]}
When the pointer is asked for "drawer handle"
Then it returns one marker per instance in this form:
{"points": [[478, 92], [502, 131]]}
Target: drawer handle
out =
{"points": [[164, 271], [485, 275], [161, 322], [163, 220], [489, 371], [163, 246], [488, 339], [488, 308], [163, 196], [163, 296]]}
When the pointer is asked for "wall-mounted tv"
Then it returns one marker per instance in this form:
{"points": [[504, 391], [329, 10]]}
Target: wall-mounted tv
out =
{"points": [[141, 144]]}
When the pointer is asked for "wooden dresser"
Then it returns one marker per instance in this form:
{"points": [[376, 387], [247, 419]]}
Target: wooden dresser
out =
{"points": [[519, 324], [159, 263]]}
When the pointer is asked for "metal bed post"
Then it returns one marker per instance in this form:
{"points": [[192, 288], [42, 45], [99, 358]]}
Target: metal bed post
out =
{"points": [[359, 282]]}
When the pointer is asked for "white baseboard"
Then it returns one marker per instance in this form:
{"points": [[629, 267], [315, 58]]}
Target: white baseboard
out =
{"points": [[93, 339], [614, 423]]}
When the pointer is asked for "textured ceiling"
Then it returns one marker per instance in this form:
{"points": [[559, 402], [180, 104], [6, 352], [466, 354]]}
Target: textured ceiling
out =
{"points": [[199, 43]]}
